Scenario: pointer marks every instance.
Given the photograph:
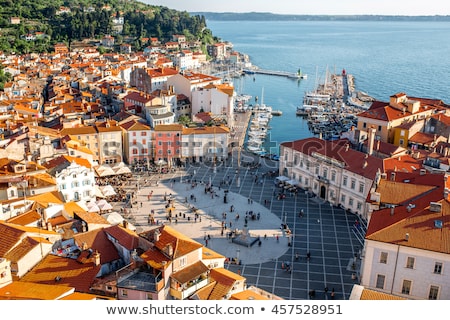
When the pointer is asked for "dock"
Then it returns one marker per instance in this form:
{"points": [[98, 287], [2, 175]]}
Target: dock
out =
{"points": [[293, 75]]}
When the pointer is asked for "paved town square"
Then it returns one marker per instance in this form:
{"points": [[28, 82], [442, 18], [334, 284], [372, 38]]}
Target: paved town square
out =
{"points": [[277, 228]]}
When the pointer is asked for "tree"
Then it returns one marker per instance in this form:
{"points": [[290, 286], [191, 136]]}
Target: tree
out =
{"points": [[184, 120]]}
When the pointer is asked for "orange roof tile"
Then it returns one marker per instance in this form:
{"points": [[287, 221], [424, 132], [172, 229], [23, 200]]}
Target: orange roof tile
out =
{"points": [[98, 241], [368, 294], [22, 249], [22, 290], [126, 238], [248, 295], [56, 270], [190, 272]]}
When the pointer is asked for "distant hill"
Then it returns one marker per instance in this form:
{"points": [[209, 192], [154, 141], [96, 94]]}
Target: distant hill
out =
{"points": [[36, 25], [266, 16]]}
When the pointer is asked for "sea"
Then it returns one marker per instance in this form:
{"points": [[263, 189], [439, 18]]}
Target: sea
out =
{"points": [[384, 57]]}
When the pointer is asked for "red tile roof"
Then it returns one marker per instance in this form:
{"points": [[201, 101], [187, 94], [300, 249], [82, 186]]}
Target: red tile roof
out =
{"points": [[353, 160], [98, 241], [418, 221], [56, 270], [126, 238]]}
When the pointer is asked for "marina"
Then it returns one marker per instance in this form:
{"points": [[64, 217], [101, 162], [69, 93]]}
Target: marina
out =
{"points": [[331, 108]]}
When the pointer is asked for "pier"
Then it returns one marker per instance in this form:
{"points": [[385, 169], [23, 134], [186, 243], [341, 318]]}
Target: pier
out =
{"points": [[292, 75]]}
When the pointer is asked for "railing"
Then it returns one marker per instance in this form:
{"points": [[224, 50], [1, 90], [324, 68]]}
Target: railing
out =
{"points": [[183, 294]]}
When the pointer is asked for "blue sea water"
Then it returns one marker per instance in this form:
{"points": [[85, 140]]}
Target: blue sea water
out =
{"points": [[384, 57]]}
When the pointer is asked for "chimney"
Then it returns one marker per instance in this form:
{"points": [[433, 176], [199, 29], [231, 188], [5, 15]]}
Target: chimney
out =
{"points": [[392, 210], [96, 258], [406, 236], [346, 147], [435, 207], [156, 236], [392, 176], [371, 140], [364, 164]]}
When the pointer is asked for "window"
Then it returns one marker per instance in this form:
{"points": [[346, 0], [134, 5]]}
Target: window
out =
{"points": [[353, 184], [325, 173], [333, 175], [401, 142], [343, 198], [295, 160], [361, 187], [379, 128], [402, 133], [406, 287], [134, 142], [134, 134], [380, 281], [434, 291], [350, 202], [344, 182], [144, 150], [149, 296], [410, 262], [358, 206], [143, 133], [124, 293], [317, 169], [438, 268], [364, 125], [383, 257]]}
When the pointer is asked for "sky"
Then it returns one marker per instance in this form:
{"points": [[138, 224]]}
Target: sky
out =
{"points": [[312, 7]]}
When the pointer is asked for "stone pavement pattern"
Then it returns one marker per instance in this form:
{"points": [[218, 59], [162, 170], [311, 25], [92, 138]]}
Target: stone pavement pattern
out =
{"points": [[325, 231]]}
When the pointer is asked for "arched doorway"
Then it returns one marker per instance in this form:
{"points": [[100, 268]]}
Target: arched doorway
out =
{"points": [[323, 192]]}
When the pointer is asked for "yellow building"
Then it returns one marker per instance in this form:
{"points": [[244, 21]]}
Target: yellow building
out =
{"points": [[401, 109]]}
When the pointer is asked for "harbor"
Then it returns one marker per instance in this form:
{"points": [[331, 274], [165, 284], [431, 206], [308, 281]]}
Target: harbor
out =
{"points": [[332, 107]]}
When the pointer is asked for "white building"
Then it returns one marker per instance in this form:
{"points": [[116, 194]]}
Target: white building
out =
{"points": [[76, 183], [331, 170], [215, 98], [189, 81], [205, 143], [184, 60], [406, 250], [110, 143]]}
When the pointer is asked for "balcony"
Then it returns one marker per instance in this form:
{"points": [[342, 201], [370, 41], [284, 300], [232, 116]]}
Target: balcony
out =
{"points": [[190, 288]]}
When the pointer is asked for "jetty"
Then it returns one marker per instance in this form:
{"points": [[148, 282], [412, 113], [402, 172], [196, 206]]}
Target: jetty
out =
{"points": [[293, 75]]}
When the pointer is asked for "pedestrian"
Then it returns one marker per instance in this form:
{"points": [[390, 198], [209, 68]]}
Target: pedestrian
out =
{"points": [[296, 256], [332, 293], [308, 256]]}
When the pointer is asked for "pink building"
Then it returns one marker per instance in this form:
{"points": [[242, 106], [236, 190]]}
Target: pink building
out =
{"points": [[167, 144]]}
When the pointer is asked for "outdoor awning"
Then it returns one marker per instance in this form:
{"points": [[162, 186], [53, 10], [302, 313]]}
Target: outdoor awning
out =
{"points": [[193, 272], [293, 182], [281, 179]]}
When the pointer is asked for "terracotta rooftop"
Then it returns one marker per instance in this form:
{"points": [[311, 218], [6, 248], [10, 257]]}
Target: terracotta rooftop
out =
{"points": [[54, 270], [353, 160], [98, 241], [21, 290]]}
